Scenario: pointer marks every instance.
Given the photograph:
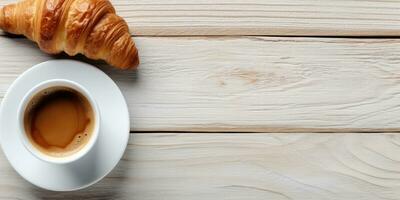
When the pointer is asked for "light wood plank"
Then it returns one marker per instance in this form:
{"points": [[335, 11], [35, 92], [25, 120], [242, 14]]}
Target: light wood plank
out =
{"points": [[260, 17], [241, 166], [249, 83]]}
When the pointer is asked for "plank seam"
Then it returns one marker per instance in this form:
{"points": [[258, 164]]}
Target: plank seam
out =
{"points": [[243, 35], [377, 131]]}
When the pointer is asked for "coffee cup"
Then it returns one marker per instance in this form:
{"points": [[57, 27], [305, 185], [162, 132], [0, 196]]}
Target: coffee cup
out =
{"points": [[59, 121]]}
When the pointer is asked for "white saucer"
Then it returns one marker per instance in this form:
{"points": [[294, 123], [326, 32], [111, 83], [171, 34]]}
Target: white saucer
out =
{"points": [[113, 137]]}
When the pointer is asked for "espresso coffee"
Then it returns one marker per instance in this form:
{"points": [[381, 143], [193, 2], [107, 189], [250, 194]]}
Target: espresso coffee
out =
{"points": [[59, 121]]}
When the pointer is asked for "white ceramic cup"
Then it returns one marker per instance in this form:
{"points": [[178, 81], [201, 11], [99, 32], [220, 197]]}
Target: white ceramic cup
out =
{"points": [[28, 144]]}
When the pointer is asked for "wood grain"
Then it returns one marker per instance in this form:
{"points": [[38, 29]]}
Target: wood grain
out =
{"points": [[260, 17], [241, 166], [249, 83]]}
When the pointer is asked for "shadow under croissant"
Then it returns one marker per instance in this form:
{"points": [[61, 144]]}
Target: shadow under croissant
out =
{"points": [[10, 35], [118, 75]]}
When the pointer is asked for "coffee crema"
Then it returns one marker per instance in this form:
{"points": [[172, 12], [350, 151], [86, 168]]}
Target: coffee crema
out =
{"points": [[59, 121]]}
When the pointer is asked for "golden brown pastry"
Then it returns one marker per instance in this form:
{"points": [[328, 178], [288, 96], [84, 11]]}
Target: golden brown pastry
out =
{"points": [[89, 27]]}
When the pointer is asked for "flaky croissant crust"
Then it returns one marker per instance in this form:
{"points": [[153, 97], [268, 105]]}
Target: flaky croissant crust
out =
{"points": [[89, 27]]}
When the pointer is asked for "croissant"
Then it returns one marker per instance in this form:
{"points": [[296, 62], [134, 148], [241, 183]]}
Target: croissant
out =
{"points": [[88, 27]]}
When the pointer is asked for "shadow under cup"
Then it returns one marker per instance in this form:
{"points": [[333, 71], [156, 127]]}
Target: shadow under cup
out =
{"points": [[43, 89]]}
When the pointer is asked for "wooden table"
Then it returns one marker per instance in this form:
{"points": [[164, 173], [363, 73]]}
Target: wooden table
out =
{"points": [[256, 99]]}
